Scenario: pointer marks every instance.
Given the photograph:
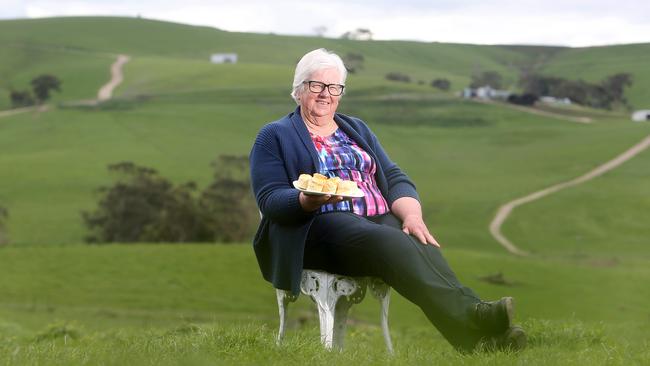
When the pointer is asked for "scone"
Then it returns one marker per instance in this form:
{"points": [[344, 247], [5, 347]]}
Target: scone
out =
{"points": [[316, 183], [303, 181], [346, 187], [335, 180], [330, 186]]}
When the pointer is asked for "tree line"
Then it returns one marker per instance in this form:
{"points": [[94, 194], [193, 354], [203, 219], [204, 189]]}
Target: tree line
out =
{"points": [[604, 94], [143, 206]]}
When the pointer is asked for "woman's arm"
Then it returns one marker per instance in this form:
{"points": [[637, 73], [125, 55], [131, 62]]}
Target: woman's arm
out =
{"points": [[409, 211], [276, 198]]}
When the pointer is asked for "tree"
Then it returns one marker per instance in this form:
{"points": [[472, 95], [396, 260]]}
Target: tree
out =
{"points": [[487, 78], [43, 84], [605, 94], [21, 99], [353, 62], [143, 206], [540, 85], [4, 214], [526, 99], [615, 86], [398, 76], [227, 208], [442, 84]]}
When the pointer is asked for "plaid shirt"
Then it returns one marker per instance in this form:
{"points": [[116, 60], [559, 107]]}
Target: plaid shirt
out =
{"points": [[341, 157]]}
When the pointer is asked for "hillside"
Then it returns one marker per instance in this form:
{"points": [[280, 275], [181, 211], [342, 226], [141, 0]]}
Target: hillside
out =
{"points": [[581, 293], [181, 98], [159, 45]]}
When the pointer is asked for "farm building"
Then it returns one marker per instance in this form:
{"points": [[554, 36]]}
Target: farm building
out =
{"points": [[223, 58], [485, 92], [554, 100], [642, 115]]}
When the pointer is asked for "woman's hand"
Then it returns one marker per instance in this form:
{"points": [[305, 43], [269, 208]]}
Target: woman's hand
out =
{"points": [[414, 225], [408, 210], [311, 203]]}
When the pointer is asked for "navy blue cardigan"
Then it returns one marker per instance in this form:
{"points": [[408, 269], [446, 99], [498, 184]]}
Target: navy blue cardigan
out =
{"points": [[282, 151]]}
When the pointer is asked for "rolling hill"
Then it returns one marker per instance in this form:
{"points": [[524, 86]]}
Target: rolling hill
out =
{"points": [[175, 112]]}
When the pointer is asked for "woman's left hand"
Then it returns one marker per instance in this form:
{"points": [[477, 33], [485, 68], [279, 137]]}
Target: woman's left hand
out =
{"points": [[414, 225]]}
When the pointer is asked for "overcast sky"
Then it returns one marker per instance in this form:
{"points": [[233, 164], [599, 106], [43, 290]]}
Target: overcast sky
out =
{"points": [[551, 22]]}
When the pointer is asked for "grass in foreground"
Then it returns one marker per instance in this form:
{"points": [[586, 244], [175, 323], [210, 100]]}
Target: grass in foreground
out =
{"points": [[567, 343]]}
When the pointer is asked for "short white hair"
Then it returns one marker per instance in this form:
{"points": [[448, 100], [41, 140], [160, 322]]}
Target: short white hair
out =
{"points": [[310, 63]]}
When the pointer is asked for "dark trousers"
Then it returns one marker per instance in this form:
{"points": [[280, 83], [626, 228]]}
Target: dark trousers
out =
{"points": [[347, 244]]}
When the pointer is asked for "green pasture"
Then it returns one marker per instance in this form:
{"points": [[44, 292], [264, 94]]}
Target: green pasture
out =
{"points": [[582, 294], [466, 158], [596, 219], [206, 304]]}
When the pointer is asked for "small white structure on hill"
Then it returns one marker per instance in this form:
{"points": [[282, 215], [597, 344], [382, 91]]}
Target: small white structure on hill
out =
{"points": [[642, 115], [554, 100], [485, 92], [223, 58]]}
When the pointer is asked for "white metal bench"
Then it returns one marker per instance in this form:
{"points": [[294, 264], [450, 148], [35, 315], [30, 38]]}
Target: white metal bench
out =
{"points": [[334, 295]]}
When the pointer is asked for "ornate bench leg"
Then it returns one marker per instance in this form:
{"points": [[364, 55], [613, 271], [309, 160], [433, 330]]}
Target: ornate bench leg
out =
{"points": [[381, 291], [340, 322], [326, 290], [318, 285], [284, 298]]}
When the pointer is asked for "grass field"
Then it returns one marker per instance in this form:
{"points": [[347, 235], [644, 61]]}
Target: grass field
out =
{"points": [[582, 295], [206, 304]]}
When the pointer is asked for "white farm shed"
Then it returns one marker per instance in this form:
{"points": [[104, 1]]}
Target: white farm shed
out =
{"points": [[642, 115], [223, 58]]}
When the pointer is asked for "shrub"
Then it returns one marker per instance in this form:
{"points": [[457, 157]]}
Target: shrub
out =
{"points": [[142, 206], [398, 76], [442, 84], [353, 62], [523, 99], [21, 99]]}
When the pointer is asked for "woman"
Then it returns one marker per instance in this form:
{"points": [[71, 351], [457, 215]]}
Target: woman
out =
{"points": [[381, 234]]}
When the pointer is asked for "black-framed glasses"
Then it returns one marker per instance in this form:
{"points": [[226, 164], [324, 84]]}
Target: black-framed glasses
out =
{"points": [[318, 87]]}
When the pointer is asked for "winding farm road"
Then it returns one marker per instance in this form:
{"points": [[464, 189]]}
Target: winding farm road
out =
{"points": [[506, 209], [117, 76], [104, 93], [11, 112]]}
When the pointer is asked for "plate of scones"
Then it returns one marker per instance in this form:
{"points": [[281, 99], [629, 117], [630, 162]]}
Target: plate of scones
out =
{"points": [[319, 185]]}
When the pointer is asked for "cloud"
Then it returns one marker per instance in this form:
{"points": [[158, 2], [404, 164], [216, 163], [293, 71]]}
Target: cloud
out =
{"points": [[11, 9], [568, 22]]}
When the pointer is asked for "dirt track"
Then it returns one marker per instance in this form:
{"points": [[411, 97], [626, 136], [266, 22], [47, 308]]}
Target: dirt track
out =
{"points": [[104, 93], [11, 112], [505, 210]]}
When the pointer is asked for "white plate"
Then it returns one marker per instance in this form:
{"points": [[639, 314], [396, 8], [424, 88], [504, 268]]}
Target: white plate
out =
{"points": [[357, 194]]}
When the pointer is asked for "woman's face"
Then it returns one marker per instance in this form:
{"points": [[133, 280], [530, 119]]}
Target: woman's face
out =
{"points": [[319, 105]]}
